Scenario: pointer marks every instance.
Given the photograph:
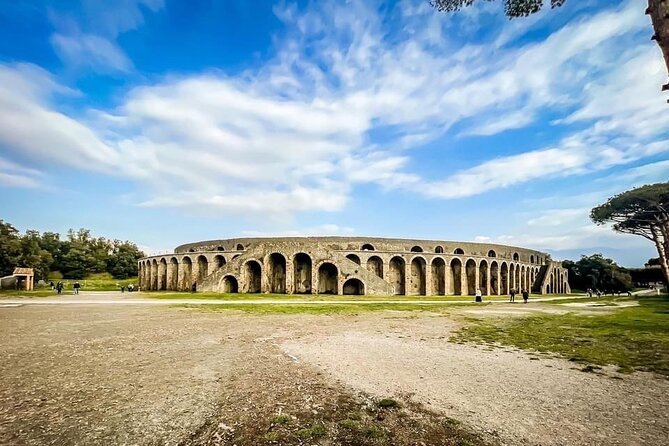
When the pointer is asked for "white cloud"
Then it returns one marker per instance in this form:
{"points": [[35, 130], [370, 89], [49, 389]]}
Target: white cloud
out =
{"points": [[340, 103], [16, 175], [95, 52]]}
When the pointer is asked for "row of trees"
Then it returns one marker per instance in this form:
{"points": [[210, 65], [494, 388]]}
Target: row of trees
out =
{"points": [[77, 256], [599, 273]]}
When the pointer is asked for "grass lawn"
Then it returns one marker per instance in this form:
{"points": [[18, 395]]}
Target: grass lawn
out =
{"points": [[95, 282], [324, 309], [322, 297], [632, 338]]}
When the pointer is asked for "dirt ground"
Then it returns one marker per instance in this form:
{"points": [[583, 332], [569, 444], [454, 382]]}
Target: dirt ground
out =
{"points": [[130, 374]]}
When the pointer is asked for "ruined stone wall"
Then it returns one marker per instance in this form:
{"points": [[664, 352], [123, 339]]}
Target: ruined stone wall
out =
{"points": [[352, 265]]}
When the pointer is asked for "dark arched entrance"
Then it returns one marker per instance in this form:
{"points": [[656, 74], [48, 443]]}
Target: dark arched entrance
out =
{"points": [[354, 287]]}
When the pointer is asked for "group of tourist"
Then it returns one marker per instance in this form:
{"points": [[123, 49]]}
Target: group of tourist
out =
{"points": [[512, 295], [58, 287]]}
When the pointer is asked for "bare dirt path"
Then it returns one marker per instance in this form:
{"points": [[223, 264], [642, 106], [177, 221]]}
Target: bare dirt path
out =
{"points": [[114, 374], [504, 393]]}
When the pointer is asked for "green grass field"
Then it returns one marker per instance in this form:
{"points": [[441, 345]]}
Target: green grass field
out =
{"points": [[94, 282], [632, 338]]}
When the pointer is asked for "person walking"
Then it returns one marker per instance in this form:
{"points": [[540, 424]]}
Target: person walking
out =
{"points": [[479, 297], [512, 295], [76, 287], [122, 288], [526, 295], [193, 288], [59, 287], [53, 287]]}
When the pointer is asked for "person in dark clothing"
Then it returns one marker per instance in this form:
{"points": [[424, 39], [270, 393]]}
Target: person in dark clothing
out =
{"points": [[526, 295], [53, 287], [59, 287], [122, 288], [512, 295], [193, 288], [76, 287]]}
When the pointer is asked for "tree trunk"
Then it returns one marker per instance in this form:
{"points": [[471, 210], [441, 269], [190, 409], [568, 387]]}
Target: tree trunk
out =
{"points": [[659, 16], [660, 238]]}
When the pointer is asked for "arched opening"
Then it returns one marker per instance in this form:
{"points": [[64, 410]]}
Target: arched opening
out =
{"points": [[417, 278], [367, 247], [439, 249], [483, 278], [519, 286], [235, 256], [173, 274], [240, 247], [523, 279], [327, 279], [353, 258], [354, 287], [470, 273], [438, 276], [219, 261], [202, 268], [516, 256], [277, 273], [186, 273], [416, 249], [456, 277], [230, 284], [532, 259], [302, 273], [504, 279], [375, 265], [253, 277], [154, 275], [512, 278], [191, 250], [494, 274], [492, 253], [220, 248], [396, 275], [459, 251], [162, 274]]}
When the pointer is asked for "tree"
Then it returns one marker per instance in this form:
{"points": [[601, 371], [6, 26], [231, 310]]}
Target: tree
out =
{"points": [[597, 272], [122, 262], [642, 211], [10, 248], [658, 10]]}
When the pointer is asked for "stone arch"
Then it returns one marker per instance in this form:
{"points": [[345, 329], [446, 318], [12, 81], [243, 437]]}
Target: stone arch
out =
{"points": [[276, 273], [191, 250], [516, 256], [220, 248], [439, 249], [438, 276], [202, 268], [367, 247], [416, 248], [162, 274], [417, 285], [186, 271], [302, 273], [154, 274], [230, 284], [532, 258], [173, 274], [235, 256], [219, 261], [492, 253], [483, 278], [252, 277], [327, 278], [375, 265], [397, 274], [519, 285], [523, 281], [240, 247], [504, 278], [456, 277], [470, 274], [459, 251], [353, 258], [353, 287], [494, 276]]}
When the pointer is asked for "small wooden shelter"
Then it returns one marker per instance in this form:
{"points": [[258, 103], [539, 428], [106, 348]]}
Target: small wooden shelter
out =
{"points": [[25, 278]]}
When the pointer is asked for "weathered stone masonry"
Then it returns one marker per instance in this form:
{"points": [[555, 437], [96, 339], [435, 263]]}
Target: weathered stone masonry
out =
{"points": [[352, 265]]}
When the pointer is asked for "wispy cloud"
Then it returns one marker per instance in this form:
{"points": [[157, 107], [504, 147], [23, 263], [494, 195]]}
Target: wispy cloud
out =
{"points": [[16, 175], [300, 132]]}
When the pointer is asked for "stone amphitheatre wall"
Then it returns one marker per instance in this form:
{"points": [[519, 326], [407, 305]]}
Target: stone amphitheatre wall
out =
{"points": [[352, 265]]}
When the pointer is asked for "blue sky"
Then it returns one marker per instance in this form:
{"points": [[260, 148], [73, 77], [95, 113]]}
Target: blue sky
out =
{"points": [[166, 122]]}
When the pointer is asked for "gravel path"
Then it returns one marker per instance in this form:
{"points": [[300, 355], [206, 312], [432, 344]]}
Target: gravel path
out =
{"points": [[504, 393]]}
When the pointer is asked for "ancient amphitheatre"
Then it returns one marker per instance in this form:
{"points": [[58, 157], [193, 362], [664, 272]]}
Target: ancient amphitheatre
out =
{"points": [[352, 266]]}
